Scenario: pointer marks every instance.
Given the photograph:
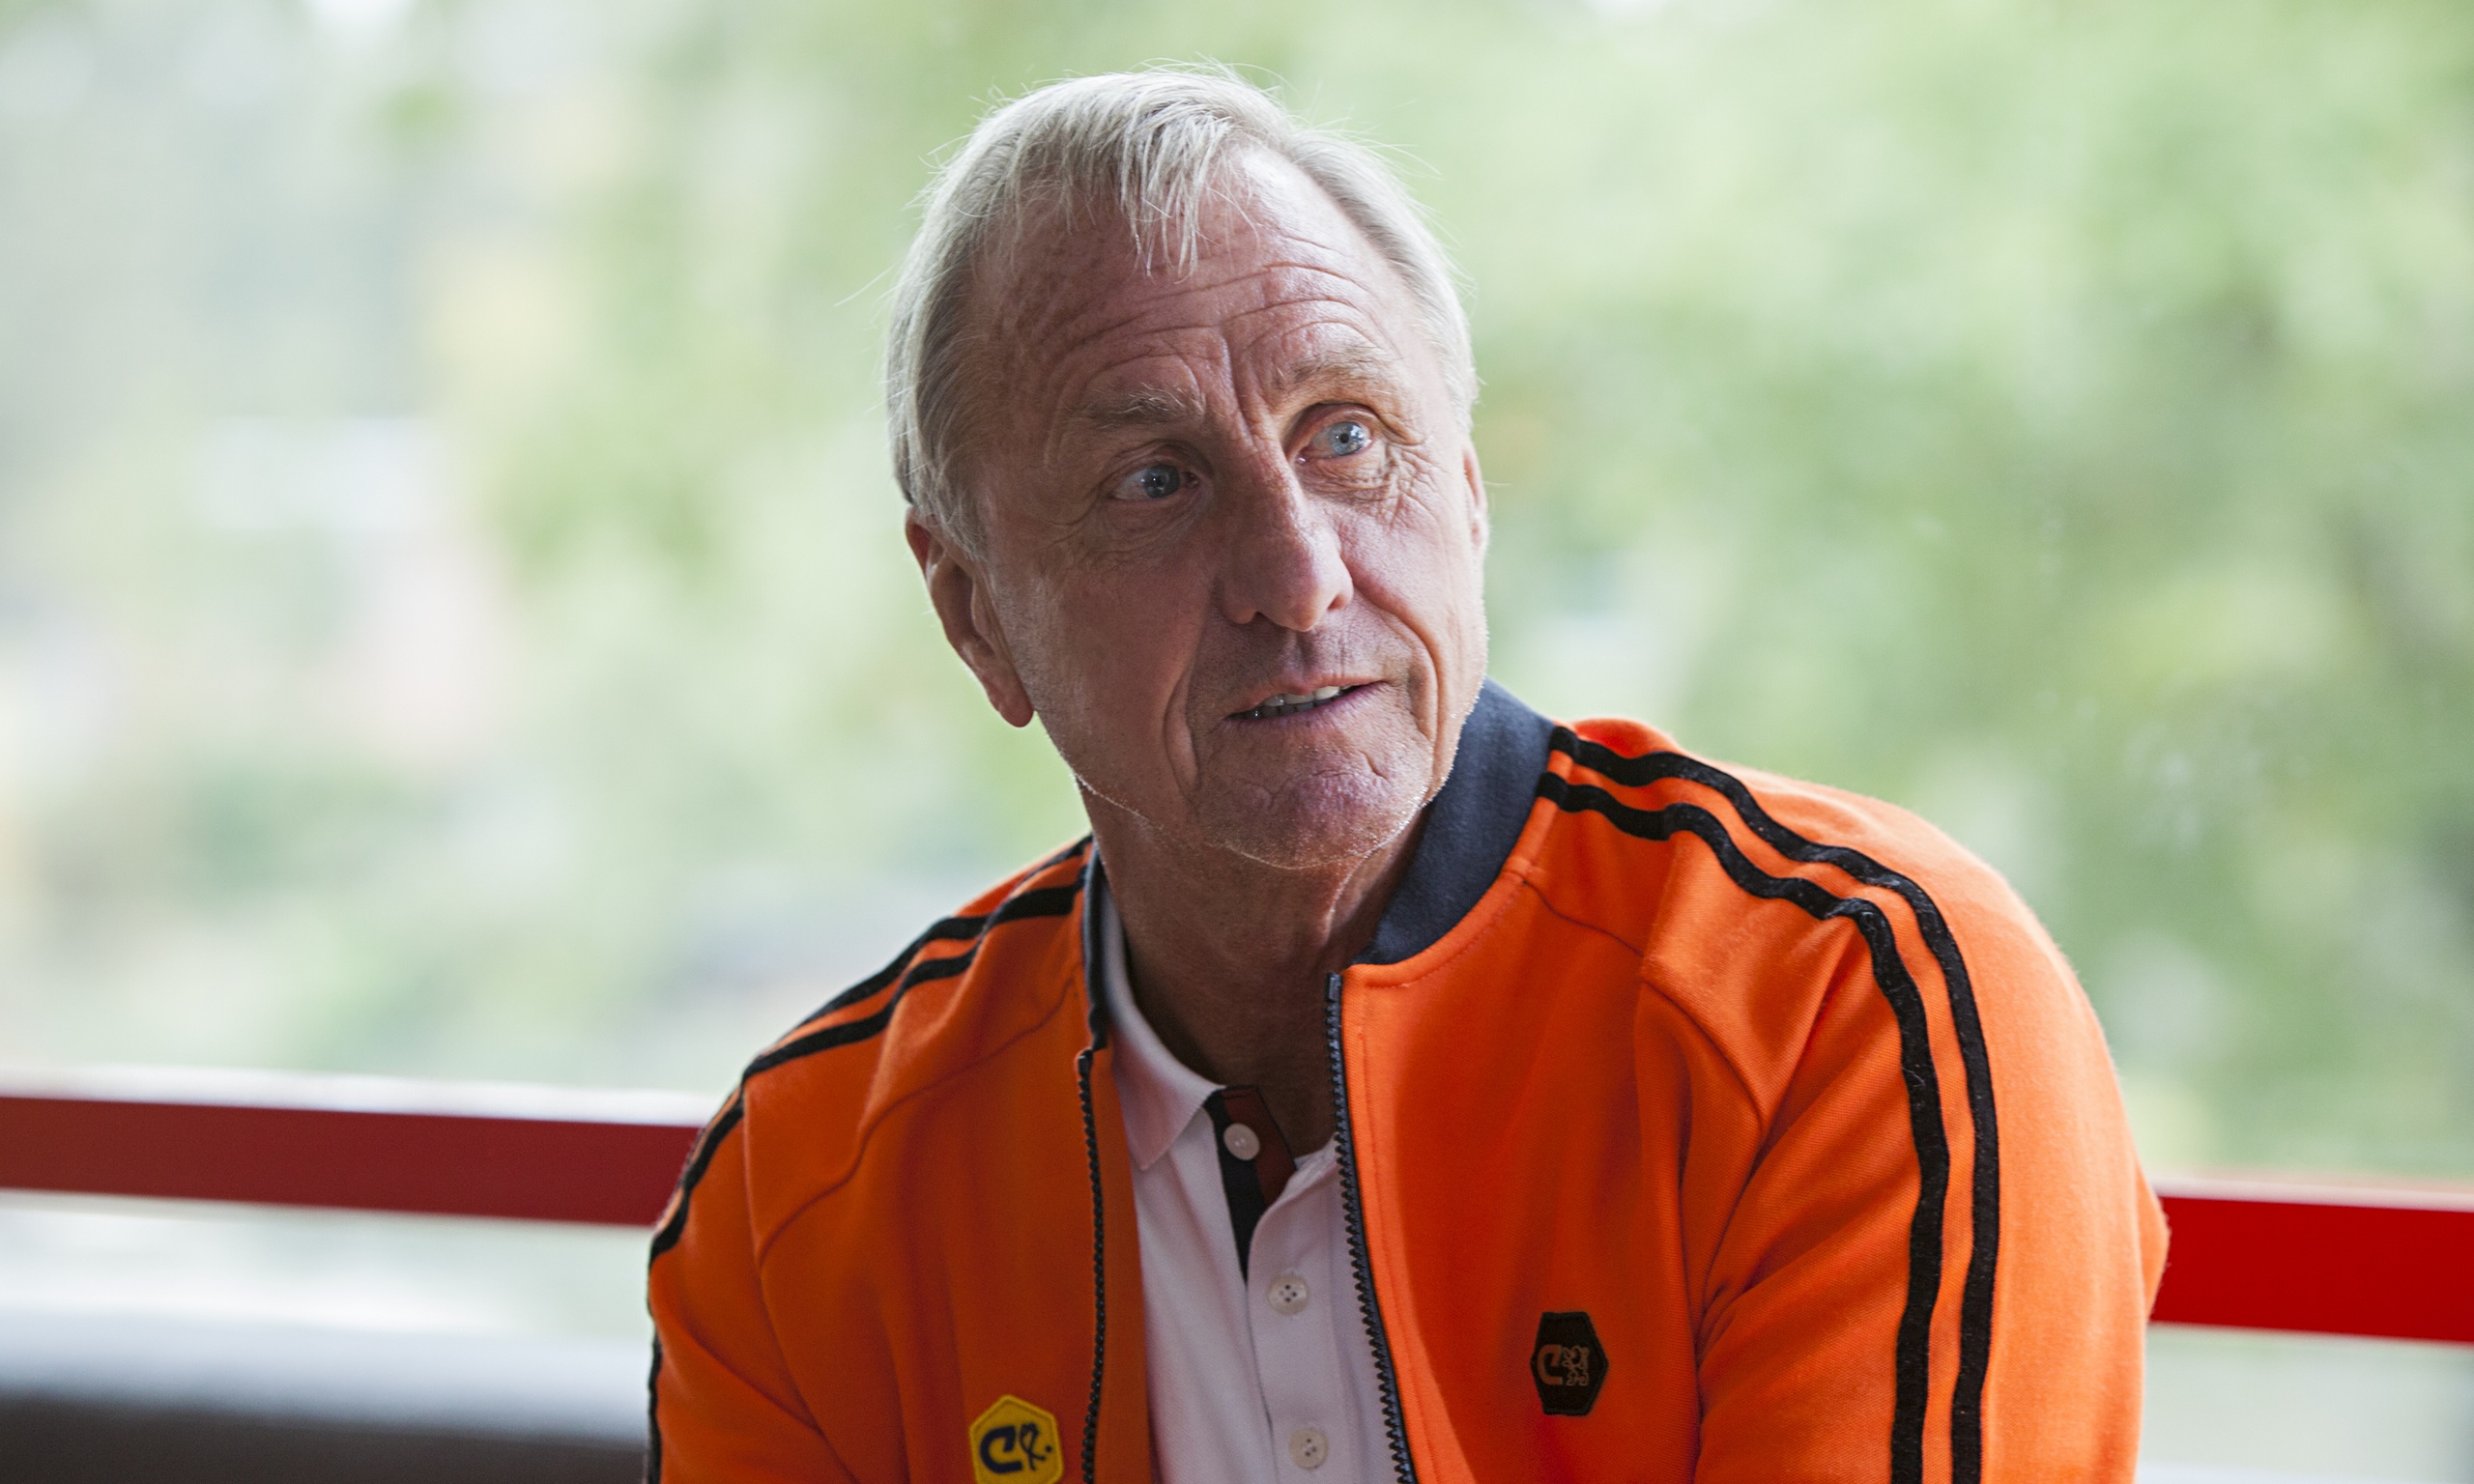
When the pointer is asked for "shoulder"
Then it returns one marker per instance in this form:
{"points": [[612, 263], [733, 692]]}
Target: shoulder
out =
{"points": [[1003, 967], [1766, 832], [1756, 900], [1009, 928], [1638, 779]]}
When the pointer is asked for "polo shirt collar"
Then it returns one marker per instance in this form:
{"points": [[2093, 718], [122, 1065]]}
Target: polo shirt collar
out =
{"points": [[1160, 1093]]}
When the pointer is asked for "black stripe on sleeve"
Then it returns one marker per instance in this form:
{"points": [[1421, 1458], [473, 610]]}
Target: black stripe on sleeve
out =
{"points": [[652, 1418], [951, 930], [1047, 902], [1914, 1349], [697, 1164], [1984, 1246]]}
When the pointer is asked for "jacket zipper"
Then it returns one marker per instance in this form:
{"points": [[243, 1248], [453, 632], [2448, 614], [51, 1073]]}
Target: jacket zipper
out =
{"points": [[1099, 1273], [1395, 1426]]}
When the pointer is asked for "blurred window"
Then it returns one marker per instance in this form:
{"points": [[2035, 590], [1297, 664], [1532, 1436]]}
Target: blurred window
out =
{"points": [[453, 619]]}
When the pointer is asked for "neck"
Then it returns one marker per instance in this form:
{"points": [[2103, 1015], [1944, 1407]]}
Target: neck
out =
{"points": [[1230, 957]]}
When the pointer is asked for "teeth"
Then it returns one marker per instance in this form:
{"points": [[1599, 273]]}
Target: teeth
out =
{"points": [[1283, 705]]}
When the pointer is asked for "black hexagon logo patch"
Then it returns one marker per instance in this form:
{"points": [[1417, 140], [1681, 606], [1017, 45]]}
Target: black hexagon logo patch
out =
{"points": [[1567, 1363]]}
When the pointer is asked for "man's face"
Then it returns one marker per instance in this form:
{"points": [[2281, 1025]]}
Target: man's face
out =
{"points": [[1201, 491]]}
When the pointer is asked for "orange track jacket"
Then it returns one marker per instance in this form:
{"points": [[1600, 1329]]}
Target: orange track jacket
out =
{"points": [[1694, 1125]]}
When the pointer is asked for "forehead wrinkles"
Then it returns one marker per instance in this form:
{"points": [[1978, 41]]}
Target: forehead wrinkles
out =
{"points": [[1244, 332], [1064, 312], [1246, 366], [1280, 347]]}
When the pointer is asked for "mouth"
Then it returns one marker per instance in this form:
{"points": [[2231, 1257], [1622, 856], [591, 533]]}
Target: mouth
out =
{"points": [[1295, 705]]}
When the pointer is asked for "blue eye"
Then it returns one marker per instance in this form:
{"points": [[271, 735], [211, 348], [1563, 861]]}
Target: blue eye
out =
{"points": [[1152, 481], [1343, 438]]}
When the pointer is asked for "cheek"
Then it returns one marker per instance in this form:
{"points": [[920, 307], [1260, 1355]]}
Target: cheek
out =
{"points": [[1106, 640], [1420, 559]]}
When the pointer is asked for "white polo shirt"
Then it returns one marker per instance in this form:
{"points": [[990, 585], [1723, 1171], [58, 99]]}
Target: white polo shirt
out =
{"points": [[1264, 1373]]}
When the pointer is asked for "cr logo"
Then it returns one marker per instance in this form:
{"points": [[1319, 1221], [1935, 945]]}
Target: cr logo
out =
{"points": [[1562, 1365], [1567, 1363], [1015, 1442]]}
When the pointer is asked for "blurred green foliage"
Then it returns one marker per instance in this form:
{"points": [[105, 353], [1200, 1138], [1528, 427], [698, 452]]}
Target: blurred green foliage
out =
{"points": [[2058, 418]]}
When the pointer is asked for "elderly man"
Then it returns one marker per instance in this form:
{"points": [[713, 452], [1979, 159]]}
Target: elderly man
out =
{"points": [[1395, 1084]]}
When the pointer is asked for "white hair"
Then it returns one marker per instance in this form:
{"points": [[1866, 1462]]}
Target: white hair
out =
{"points": [[1155, 145]]}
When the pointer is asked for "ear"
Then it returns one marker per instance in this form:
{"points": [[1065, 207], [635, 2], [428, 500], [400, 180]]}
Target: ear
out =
{"points": [[964, 606], [1479, 528]]}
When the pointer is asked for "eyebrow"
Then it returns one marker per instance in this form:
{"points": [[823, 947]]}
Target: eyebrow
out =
{"points": [[1347, 363], [1148, 408]]}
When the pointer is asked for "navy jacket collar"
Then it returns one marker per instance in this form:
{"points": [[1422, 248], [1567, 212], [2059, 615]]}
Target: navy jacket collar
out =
{"points": [[1470, 828]]}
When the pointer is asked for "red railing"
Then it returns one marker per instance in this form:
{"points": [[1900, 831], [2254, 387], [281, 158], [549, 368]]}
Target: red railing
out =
{"points": [[2393, 1262], [2383, 1261]]}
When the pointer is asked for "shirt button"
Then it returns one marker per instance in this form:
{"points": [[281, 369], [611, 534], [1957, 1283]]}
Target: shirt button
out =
{"points": [[1288, 1293], [1307, 1447], [1241, 1141]]}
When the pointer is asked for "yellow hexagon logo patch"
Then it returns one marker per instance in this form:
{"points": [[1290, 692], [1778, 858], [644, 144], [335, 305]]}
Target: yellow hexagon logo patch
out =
{"points": [[1015, 1442]]}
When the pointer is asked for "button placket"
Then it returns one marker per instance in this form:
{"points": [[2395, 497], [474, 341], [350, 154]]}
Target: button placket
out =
{"points": [[1300, 1358]]}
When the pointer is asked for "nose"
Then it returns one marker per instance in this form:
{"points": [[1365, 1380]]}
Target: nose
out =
{"points": [[1281, 549]]}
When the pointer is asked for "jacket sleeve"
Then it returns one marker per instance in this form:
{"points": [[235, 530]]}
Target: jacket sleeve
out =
{"points": [[1941, 1251], [724, 1405]]}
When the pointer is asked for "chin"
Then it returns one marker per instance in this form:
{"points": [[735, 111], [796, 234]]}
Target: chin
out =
{"points": [[1314, 822]]}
